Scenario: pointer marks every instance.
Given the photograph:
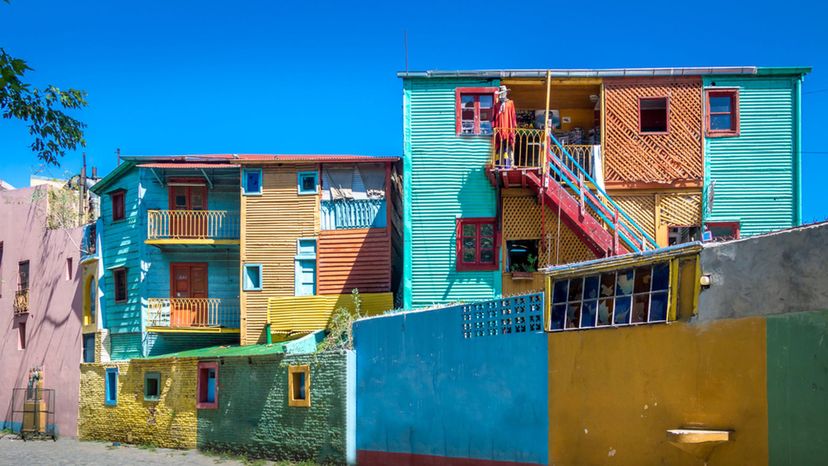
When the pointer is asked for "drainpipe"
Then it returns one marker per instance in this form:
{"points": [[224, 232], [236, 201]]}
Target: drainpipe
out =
{"points": [[268, 335], [798, 154]]}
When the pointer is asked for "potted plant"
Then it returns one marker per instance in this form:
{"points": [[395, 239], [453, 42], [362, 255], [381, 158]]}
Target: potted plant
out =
{"points": [[525, 270]]}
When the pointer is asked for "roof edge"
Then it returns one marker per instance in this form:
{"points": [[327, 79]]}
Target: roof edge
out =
{"points": [[625, 260], [604, 73]]}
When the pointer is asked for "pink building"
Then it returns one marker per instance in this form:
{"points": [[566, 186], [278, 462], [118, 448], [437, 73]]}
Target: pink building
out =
{"points": [[40, 308]]}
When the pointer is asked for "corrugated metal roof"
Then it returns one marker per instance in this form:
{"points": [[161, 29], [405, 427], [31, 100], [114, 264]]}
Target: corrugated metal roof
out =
{"points": [[225, 351], [188, 165], [603, 73], [242, 158]]}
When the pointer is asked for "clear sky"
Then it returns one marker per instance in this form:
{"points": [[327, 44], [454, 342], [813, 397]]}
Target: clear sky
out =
{"points": [[185, 76]]}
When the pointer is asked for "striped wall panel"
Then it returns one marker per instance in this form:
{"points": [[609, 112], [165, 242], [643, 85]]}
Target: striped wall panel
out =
{"points": [[301, 314], [348, 259]]}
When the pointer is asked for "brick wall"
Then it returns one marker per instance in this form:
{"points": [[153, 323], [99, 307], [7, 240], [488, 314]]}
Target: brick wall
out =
{"points": [[253, 416], [169, 422]]}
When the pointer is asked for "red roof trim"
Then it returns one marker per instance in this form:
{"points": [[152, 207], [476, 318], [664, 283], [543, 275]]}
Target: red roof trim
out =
{"points": [[187, 165], [212, 159]]}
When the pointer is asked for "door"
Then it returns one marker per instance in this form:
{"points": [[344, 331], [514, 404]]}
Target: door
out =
{"points": [[188, 297], [188, 204], [306, 277]]}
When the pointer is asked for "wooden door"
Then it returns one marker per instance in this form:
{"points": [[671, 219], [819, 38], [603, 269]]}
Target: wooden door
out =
{"points": [[188, 293], [188, 198]]}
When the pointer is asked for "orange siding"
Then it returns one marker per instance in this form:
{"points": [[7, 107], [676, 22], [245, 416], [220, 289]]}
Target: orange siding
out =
{"points": [[631, 157], [271, 224], [349, 259]]}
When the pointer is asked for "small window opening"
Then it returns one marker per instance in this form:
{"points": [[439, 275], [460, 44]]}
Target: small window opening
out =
{"points": [[69, 268], [252, 277], [653, 114], [21, 336], [120, 279], [111, 396], [523, 255], [152, 386], [207, 385], [308, 183], [299, 386], [683, 234]]}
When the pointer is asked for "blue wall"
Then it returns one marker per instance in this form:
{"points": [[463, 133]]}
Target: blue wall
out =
{"points": [[428, 385]]}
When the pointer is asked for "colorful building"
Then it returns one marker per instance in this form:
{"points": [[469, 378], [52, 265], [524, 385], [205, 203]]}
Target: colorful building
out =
{"points": [[631, 160]]}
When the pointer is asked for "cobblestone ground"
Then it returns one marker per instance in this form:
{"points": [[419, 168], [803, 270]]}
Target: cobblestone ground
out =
{"points": [[64, 452]]}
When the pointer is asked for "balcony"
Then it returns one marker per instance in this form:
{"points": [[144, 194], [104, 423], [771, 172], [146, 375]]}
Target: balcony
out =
{"points": [[21, 302], [208, 315], [353, 213], [527, 151], [192, 227]]}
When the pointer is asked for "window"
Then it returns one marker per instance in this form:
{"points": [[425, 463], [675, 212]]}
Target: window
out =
{"points": [[252, 181], [111, 387], [89, 348], [299, 386], [252, 277], [120, 281], [653, 114], [90, 301], [632, 296], [70, 270], [308, 182], [118, 208], [21, 335], [477, 245], [152, 386], [207, 385], [683, 234], [305, 267], [92, 239], [523, 255], [23, 276], [723, 231], [722, 117], [474, 110]]}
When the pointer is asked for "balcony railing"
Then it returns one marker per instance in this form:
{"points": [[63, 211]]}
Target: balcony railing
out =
{"points": [[191, 313], [187, 225], [523, 148], [21, 302], [353, 213]]}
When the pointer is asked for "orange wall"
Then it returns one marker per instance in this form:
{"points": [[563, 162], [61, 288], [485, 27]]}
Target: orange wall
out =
{"points": [[613, 393], [358, 258]]}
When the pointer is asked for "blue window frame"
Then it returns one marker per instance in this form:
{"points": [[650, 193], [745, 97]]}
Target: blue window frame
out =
{"points": [[307, 182], [252, 277], [111, 386], [251, 181], [89, 348], [305, 267]]}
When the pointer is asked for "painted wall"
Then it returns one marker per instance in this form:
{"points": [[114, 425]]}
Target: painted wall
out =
{"points": [[656, 211], [253, 417], [444, 178], [755, 173], [434, 387], [613, 393], [53, 323], [289, 316], [170, 422], [353, 258]]}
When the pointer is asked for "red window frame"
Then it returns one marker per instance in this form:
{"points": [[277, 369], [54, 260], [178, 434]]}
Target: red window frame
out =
{"points": [[201, 385], [666, 98], [477, 265], [119, 279], [118, 205], [734, 112], [736, 226], [477, 91]]}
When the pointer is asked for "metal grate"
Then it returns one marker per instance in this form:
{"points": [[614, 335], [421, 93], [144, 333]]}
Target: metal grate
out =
{"points": [[33, 412], [505, 316]]}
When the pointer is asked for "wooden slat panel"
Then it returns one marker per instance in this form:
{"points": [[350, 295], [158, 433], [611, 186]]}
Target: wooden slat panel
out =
{"points": [[349, 259], [271, 224], [298, 314]]}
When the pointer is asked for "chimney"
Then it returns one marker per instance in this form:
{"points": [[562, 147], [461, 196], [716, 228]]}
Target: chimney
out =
{"points": [[95, 172]]}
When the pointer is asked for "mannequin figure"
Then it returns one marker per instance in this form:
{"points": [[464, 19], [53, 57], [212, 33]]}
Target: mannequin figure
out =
{"points": [[505, 122]]}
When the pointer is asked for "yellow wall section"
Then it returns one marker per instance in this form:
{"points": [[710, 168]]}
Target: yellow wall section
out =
{"points": [[301, 314], [613, 393], [170, 422], [271, 224], [655, 211]]}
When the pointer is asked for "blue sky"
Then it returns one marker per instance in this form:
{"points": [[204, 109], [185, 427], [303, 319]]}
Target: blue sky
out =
{"points": [[172, 77]]}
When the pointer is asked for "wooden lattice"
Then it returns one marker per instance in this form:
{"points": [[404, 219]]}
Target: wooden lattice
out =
{"points": [[641, 208], [653, 158], [682, 209]]}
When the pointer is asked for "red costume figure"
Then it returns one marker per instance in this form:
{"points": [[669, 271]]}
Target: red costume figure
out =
{"points": [[505, 122]]}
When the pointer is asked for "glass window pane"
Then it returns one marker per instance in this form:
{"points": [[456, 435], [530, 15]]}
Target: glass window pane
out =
{"points": [[641, 306], [573, 315], [467, 114], [643, 277], [588, 313], [485, 115], [467, 100], [576, 289], [658, 307], [486, 229], [661, 276], [556, 321], [469, 230], [559, 291], [720, 103], [486, 101], [469, 255], [469, 243], [487, 256], [467, 127], [624, 283], [605, 312], [608, 284], [486, 242], [591, 287], [721, 122], [486, 127], [658, 103], [622, 310]]}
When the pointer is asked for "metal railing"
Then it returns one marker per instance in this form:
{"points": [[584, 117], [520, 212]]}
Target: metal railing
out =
{"points": [[192, 312], [523, 148], [21, 302], [192, 224], [353, 213]]}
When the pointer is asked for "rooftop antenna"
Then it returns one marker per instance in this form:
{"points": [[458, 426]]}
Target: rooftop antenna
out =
{"points": [[118, 153], [405, 46]]}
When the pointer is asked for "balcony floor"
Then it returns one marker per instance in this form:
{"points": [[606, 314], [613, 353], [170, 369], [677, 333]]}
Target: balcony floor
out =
{"points": [[192, 330]]}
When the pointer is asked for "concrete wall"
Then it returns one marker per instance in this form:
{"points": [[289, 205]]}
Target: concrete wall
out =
{"points": [[53, 323], [773, 274], [447, 386], [170, 422]]}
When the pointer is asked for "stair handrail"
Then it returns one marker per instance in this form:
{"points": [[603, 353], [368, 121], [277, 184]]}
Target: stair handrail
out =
{"points": [[652, 242]]}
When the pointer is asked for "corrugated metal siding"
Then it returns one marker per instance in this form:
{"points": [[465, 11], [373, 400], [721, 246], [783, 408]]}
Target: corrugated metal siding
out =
{"points": [[156, 344], [349, 259], [271, 224], [754, 172], [125, 346], [445, 179], [308, 313]]}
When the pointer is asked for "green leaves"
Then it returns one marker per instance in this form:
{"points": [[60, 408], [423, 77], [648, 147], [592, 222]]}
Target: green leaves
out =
{"points": [[53, 131]]}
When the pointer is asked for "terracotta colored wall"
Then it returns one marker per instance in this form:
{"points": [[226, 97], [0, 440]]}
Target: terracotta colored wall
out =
{"points": [[348, 259], [613, 393], [53, 324], [631, 157]]}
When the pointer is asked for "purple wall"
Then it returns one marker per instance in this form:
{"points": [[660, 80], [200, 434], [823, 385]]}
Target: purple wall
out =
{"points": [[53, 324]]}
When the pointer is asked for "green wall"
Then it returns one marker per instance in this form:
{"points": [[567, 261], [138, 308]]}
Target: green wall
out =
{"points": [[444, 178], [755, 173], [253, 416], [797, 388]]}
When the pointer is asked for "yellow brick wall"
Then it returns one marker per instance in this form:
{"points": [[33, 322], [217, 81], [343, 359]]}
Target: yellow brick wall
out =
{"points": [[170, 422]]}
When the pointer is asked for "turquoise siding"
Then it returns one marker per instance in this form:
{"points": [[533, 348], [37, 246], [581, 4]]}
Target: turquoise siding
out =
{"points": [[156, 344], [125, 346], [444, 178], [755, 173]]}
